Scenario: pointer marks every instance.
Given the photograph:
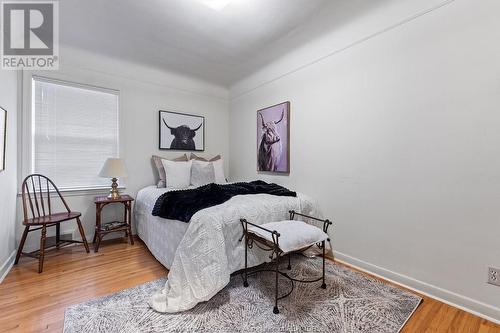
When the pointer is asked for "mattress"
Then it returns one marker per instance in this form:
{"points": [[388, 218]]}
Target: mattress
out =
{"points": [[161, 236]]}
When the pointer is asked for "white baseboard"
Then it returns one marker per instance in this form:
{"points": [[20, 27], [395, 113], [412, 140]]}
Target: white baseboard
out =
{"points": [[7, 265], [462, 302]]}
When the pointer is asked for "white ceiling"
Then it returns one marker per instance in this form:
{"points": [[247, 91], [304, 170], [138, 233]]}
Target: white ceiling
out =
{"points": [[187, 37]]}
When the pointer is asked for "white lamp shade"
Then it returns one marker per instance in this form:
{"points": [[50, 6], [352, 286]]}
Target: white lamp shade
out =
{"points": [[113, 168]]}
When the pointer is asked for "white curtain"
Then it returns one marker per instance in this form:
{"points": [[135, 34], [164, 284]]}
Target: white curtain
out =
{"points": [[75, 128]]}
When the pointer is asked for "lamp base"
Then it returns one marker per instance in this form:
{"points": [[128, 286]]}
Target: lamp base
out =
{"points": [[113, 193]]}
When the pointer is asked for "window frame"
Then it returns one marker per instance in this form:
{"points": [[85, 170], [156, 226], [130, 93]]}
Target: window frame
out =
{"points": [[27, 128]]}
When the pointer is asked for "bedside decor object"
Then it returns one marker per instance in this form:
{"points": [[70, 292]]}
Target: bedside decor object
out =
{"points": [[273, 135], [3, 137], [102, 229], [113, 168], [179, 131]]}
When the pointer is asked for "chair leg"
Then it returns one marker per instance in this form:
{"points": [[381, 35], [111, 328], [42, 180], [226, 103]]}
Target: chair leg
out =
{"points": [[21, 244], [42, 248], [324, 284], [289, 261], [245, 279], [276, 310], [82, 234]]}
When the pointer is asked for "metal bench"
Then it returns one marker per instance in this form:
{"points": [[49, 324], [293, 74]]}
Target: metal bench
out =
{"points": [[284, 238]]}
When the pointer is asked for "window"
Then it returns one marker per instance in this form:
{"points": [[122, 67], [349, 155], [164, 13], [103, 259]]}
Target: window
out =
{"points": [[74, 130]]}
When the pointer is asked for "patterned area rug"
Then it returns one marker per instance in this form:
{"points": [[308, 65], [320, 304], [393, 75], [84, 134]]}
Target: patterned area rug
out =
{"points": [[352, 302]]}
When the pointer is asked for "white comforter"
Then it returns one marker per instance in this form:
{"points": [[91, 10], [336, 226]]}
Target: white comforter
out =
{"points": [[210, 251]]}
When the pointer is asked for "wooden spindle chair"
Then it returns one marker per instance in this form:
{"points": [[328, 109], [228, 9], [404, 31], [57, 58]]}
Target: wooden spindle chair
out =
{"points": [[38, 215]]}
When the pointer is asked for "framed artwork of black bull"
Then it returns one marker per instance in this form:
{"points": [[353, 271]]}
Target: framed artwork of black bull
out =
{"points": [[180, 131]]}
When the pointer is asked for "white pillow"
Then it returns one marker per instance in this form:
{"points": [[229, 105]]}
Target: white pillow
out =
{"points": [[294, 235], [202, 173], [220, 178], [178, 173]]}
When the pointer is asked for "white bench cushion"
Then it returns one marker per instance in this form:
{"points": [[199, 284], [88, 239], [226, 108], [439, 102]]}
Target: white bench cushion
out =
{"points": [[294, 235]]}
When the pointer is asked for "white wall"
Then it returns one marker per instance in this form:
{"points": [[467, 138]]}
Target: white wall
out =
{"points": [[143, 92], [396, 133], [8, 101]]}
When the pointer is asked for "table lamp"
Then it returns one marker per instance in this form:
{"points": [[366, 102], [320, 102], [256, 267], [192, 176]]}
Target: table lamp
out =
{"points": [[113, 168]]}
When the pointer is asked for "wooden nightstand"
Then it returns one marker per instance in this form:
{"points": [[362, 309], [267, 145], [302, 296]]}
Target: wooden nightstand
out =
{"points": [[115, 226]]}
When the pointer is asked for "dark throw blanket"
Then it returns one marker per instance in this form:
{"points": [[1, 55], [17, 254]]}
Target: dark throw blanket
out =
{"points": [[182, 205]]}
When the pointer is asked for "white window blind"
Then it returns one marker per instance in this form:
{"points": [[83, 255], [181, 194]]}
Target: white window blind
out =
{"points": [[74, 130]]}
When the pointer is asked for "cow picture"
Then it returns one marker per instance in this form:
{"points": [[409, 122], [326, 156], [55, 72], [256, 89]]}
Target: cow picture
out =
{"points": [[273, 131], [179, 131]]}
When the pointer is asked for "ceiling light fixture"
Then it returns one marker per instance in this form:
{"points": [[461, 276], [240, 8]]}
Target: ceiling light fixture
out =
{"points": [[216, 4]]}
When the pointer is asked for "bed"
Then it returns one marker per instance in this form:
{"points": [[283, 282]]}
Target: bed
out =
{"points": [[161, 236], [203, 253]]}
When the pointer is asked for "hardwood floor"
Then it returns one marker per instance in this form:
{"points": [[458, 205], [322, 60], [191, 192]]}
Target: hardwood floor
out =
{"points": [[32, 302]]}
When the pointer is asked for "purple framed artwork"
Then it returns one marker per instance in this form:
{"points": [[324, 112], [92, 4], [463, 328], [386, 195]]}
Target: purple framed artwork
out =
{"points": [[273, 138]]}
